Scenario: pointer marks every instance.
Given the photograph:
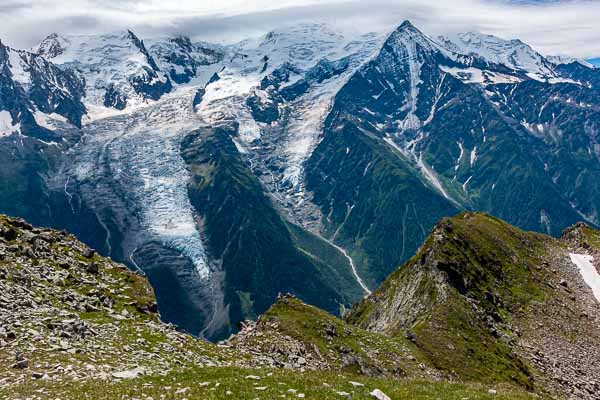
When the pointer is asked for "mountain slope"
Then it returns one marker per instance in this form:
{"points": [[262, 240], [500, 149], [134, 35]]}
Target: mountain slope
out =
{"points": [[244, 232], [72, 322], [354, 146], [488, 301], [36, 95], [64, 308]]}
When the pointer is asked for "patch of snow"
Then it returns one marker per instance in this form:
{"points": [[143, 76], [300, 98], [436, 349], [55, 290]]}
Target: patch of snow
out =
{"points": [[545, 220], [49, 121], [476, 75], [552, 79], [473, 156], [6, 125], [432, 177], [588, 272], [464, 186], [240, 148], [460, 156]]}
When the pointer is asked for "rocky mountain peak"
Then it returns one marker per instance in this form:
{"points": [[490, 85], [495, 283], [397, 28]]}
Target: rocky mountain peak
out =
{"points": [[408, 32], [183, 41], [406, 25], [52, 46]]}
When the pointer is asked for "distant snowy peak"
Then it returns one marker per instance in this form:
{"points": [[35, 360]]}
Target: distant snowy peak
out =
{"points": [[558, 60], [183, 59], [118, 69], [29, 83], [300, 45], [407, 32], [513, 54], [52, 46]]}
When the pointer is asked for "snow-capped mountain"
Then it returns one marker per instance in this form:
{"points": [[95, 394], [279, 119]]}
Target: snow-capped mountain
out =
{"points": [[561, 60], [301, 161], [37, 95], [513, 54], [118, 69], [182, 59]]}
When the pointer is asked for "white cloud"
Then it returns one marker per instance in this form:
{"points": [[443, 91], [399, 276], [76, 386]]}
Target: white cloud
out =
{"points": [[567, 27]]}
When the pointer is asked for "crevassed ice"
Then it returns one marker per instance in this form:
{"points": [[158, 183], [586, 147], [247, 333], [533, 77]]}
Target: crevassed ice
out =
{"points": [[144, 159]]}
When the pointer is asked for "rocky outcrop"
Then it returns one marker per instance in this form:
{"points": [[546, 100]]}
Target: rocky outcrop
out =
{"points": [[294, 335], [487, 301], [63, 308]]}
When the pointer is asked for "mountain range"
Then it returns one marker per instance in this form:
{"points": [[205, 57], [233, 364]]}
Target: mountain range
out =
{"points": [[302, 161]]}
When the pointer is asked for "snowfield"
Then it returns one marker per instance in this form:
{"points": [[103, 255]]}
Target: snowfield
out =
{"points": [[588, 272], [6, 125]]}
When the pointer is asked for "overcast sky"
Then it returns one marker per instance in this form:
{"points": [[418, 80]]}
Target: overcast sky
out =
{"points": [[570, 27]]}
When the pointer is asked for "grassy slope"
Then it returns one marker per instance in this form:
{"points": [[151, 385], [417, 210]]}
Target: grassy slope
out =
{"points": [[374, 353], [201, 383], [487, 261]]}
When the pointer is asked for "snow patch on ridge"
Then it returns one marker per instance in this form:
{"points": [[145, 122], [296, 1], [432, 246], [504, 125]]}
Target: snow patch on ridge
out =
{"points": [[476, 75], [588, 272], [49, 121], [432, 177]]}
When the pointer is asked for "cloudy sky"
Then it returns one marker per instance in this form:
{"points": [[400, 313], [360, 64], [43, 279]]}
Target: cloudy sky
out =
{"points": [[568, 27]]}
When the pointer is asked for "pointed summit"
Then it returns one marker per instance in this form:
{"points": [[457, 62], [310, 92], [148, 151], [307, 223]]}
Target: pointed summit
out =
{"points": [[52, 46], [408, 35], [140, 45], [407, 25], [407, 28], [407, 32]]}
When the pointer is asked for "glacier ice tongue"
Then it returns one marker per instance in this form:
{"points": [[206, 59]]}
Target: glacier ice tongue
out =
{"points": [[141, 152]]}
